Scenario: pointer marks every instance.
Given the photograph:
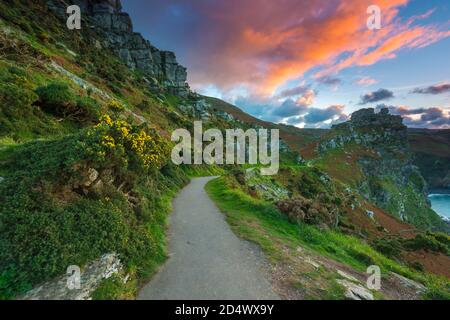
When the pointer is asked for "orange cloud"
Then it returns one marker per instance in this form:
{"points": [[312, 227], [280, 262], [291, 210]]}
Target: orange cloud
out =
{"points": [[261, 44]]}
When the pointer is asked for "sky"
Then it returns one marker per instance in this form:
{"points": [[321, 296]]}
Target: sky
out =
{"points": [[309, 63]]}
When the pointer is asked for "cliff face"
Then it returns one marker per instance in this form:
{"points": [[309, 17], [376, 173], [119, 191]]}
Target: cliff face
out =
{"points": [[106, 16], [432, 156], [383, 165]]}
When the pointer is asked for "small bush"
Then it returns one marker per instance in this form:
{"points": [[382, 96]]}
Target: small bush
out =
{"points": [[90, 109], [310, 211], [389, 247], [428, 242], [58, 99], [145, 105], [15, 101]]}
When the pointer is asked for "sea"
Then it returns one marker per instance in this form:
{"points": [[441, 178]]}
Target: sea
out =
{"points": [[441, 204]]}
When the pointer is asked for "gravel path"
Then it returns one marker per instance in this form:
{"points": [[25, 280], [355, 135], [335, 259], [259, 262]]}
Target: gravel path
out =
{"points": [[207, 260]]}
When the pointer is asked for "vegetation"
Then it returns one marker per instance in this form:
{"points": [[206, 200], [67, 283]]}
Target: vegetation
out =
{"points": [[58, 100], [75, 187], [260, 222], [47, 222]]}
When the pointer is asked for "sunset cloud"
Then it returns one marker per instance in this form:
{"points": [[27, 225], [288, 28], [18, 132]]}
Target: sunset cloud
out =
{"points": [[435, 117], [365, 81], [376, 96], [262, 44], [316, 115], [436, 89], [301, 89], [330, 81]]}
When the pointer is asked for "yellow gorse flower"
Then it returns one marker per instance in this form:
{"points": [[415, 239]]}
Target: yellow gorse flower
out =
{"points": [[120, 140]]}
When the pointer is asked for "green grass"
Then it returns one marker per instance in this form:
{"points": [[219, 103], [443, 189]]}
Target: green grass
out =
{"points": [[260, 222], [197, 171]]}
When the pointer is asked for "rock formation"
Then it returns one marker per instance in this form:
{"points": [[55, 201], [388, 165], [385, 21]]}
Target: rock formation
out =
{"points": [[379, 143], [369, 129], [91, 277], [116, 28]]}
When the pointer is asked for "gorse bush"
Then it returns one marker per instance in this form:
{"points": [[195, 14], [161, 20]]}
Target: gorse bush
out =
{"points": [[115, 106], [124, 145]]}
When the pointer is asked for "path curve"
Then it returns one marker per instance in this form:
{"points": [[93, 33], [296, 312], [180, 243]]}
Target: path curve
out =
{"points": [[207, 260]]}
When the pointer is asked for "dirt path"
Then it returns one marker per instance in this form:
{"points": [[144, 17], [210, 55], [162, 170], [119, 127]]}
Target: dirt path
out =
{"points": [[207, 261]]}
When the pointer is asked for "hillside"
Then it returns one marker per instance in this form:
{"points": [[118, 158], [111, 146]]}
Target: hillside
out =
{"points": [[86, 177]]}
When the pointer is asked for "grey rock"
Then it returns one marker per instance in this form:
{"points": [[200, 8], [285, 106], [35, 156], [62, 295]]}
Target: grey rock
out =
{"points": [[80, 82], [354, 291], [91, 177], [370, 214], [347, 276], [419, 288], [91, 277]]}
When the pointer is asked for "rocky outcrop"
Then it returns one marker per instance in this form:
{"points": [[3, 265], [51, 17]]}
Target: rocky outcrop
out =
{"points": [[378, 142], [368, 128], [65, 288], [78, 81], [116, 28], [354, 291]]}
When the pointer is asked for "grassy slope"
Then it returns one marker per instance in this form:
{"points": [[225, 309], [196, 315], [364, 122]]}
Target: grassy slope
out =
{"points": [[260, 222]]}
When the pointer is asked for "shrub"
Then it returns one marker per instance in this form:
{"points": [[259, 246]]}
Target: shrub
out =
{"points": [[389, 247], [58, 99], [429, 242], [116, 106], [144, 105], [15, 101], [123, 145], [309, 211], [89, 109]]}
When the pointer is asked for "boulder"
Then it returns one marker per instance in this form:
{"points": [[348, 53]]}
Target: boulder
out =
{"points": [[408, 283], [90, 278]]}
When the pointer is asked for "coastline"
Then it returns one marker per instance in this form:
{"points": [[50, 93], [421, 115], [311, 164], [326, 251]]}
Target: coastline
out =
{"points": [[438, 193]]}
